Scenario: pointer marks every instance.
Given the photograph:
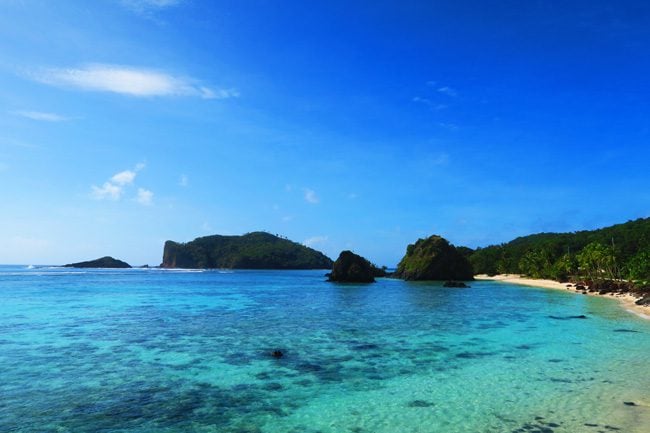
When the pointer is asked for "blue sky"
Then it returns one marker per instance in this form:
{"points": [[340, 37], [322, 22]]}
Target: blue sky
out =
{"points": [[341, 125]]}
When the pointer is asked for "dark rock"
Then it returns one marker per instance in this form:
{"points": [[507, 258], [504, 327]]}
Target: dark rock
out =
{"points": [[104, 262], [629, 403], [277, 354], [580, 287], [643, 301], [581, 316], [420, 403], [458, 284], [352, 268], [434, 258]]}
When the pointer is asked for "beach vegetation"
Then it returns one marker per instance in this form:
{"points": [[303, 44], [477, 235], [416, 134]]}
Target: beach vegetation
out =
{"points": [[618, 252]]}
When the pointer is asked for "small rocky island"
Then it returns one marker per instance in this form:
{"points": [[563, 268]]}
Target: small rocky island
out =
{"points": [[434, 258], [352, 268], [256, 250], [104, 262]]}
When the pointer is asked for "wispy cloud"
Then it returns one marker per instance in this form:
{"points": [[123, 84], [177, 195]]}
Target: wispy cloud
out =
{"points": [[144, 197], [149, 5], [41, 116], [449, 126], [129, 80], [446, 90], [434, 105], [113, 189], [441, 158], [310, 196], [183, 180], [3, 167], [310, 242]]}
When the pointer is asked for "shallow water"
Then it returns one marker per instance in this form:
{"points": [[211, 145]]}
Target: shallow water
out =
{"points": [[168, 351]]}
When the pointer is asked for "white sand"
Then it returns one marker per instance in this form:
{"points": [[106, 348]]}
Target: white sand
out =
{"points": [[626, 299]]}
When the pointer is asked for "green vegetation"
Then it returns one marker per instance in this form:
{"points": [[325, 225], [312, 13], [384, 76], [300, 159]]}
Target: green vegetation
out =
{"points": [[352, 268], [435, 258], [104, 262], [618, 252], [257, 250]]}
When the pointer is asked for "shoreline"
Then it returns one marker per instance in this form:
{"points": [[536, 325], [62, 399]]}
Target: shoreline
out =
{"points": [[626, 300]]}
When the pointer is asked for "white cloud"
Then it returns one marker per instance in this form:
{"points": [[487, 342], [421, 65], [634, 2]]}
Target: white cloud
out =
{"points": [[125, 177], [114, 187], [446, 90], [183, 181], [42, 116], [310, 196], [315, 240], [129, 80], [144, 197], [287, 218], [108, 190], [353, 196]]}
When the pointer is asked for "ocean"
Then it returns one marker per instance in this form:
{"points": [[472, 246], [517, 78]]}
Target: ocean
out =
{"points": [[152, 350]]}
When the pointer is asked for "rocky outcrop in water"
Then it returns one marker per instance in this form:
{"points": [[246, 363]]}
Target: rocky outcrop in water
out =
{"points": [[434, 258], [104, 262], [352, 268]]}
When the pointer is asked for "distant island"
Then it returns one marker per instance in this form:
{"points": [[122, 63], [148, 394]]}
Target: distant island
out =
{"points": [[104, 262], [256, 250]]}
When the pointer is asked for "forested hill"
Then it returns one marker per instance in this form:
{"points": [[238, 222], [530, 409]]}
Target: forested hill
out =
{"points": [[257, 250], [619, 251]]}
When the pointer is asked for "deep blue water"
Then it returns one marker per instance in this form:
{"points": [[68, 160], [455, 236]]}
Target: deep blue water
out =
{"points": [[177, 351]]}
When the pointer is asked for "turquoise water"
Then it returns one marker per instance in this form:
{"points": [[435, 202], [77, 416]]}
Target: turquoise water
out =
{"points": [[177, 351]]}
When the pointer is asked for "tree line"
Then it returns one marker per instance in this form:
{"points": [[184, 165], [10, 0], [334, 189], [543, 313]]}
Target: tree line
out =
{"points": [[619, 252]]}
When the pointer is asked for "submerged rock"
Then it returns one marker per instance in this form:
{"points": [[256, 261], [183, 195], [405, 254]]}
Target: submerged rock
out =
{"points": [[458, 284], [420, 403]]}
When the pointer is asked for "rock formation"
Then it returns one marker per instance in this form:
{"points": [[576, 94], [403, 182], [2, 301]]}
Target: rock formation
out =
{"points": [[352, 268], [434, 258]]}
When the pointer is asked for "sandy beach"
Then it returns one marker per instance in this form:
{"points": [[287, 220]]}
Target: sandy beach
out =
{"points": [[626, 300]]}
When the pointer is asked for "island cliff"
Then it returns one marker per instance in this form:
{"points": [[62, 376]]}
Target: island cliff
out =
{"points": [[257, 250], [434, 258]]}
